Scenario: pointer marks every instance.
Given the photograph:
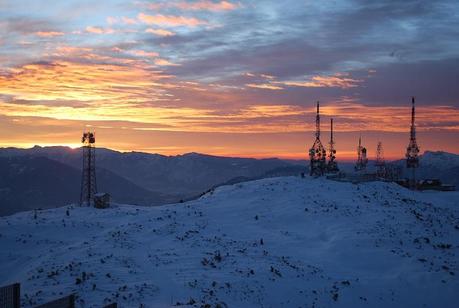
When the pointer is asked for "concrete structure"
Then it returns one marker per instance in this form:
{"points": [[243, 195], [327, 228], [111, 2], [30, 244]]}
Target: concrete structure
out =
{"points": [[102, 200]]}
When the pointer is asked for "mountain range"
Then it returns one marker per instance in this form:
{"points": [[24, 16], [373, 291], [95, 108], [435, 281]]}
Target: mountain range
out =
{"points": [[46, 177], [435, 165]]}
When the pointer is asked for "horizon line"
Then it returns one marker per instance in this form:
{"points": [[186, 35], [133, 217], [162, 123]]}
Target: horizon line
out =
{"points": [[299, 157]]}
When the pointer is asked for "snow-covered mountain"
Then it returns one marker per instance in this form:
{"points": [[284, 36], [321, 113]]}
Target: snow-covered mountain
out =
{"points": [[278, 242], [436, 165], [439, 159]]}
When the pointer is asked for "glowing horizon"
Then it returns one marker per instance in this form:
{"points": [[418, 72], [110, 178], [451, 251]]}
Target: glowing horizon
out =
{"points": [[171, 151], [229, 78]]}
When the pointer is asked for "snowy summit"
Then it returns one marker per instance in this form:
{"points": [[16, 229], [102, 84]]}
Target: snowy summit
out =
{"points": [[280, 242]]}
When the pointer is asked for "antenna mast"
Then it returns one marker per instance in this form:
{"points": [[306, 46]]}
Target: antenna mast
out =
{"points": [[380, 162], [332, 166], [412, 151], [317, 122], [88, 178], [362, 159], [317, 152]]}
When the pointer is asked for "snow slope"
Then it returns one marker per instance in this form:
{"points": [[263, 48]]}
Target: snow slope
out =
{"points": [[435, 165], [278, 242]]}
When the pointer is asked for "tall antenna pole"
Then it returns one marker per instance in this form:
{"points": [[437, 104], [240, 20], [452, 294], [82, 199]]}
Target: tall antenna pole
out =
{"points": [[362, 160], [317, 153], [412, 151], [332, 166], [317, 122], [413, 116], [331, 132], [88, 178], [359, 150], [380, 162]]}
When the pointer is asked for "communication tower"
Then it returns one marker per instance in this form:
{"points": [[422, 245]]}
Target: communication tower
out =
{"points": [[317, 153], [412, 151], [380, 162], [332, 165], [88, 179], [362, 159]]}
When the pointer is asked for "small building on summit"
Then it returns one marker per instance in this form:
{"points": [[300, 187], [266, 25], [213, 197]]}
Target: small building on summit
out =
{"points": [[102, 200]]}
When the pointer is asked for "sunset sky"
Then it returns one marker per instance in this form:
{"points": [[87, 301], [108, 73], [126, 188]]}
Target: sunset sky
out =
{"points": [[237, 78]]}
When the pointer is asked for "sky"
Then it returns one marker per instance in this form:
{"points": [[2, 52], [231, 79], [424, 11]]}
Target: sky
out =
{"points": [[235, 78]]}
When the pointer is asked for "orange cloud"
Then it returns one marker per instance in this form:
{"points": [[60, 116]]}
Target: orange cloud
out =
{"points": [[142, 53], [128, 21], [65, 90], [98, 30], [267, 76], [207, 5], [202, 5], [124, 20], [353, 116], [164, 62], [264, 86], [49, 33], [82, 82], [160, 32], [335, 81], [338, 80], [71, 50], [170, 20], [112, 20]]}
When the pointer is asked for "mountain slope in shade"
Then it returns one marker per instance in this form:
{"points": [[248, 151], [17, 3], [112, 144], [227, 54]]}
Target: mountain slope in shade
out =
{"points": [[29, 182], [279, 242], [182, 176]]}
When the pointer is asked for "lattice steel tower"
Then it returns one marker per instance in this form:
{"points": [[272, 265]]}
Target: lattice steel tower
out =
{"points": [[317, 153], [380, 162], [362, 159], [332, 165], [412, 151], [88, 179]]}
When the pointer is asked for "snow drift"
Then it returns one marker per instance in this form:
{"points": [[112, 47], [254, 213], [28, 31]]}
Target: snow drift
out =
{"points": [[279, 242]]}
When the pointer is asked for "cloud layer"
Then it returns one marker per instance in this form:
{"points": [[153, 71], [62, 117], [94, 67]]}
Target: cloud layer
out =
{"points": [[216, 69]]}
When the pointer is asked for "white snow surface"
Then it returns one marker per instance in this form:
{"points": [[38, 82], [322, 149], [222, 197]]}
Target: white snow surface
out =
{"points": [[279, 242], [439, 159]]}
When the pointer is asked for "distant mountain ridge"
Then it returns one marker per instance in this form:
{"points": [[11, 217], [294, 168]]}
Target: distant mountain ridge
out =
{"points": [[183, 174], [158, 179], [153, 179], [440, 159], [435, 165], [29, 182]]}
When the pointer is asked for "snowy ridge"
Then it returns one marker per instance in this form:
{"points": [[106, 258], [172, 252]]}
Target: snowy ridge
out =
{"points": [[278, 242], [439, 159]]}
